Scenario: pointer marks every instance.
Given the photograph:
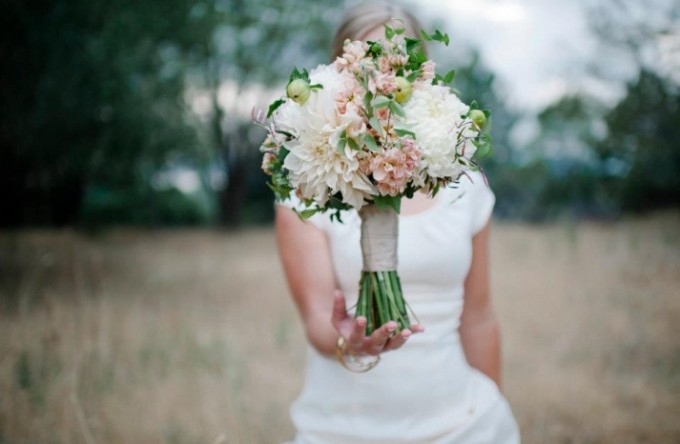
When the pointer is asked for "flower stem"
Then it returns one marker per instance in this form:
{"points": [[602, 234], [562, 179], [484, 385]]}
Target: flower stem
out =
{"points": [[381, 300]]}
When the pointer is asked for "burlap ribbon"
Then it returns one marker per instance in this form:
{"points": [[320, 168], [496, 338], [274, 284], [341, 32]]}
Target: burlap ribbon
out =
{"points": [[379, 234]]}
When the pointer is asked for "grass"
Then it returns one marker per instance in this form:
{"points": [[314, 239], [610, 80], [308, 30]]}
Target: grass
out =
{"points": [[190, 336]]}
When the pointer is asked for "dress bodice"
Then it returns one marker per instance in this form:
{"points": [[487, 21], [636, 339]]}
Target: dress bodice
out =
{"points": [[426, 390]]}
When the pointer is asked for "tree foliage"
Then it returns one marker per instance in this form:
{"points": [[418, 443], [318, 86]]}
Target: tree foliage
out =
{"points": [[92, 92], [640, 156], [258, 44]]}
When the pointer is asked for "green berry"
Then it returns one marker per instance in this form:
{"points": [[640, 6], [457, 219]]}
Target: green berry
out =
{"points": [[478, 117], [404, 90], [298, 90]]}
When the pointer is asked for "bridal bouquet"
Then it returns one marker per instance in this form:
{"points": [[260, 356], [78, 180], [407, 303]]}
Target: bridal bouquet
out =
{"points": [[376, 125]]}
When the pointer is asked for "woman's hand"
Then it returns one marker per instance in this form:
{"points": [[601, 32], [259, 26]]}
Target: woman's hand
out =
{"points": [[354, 331]]}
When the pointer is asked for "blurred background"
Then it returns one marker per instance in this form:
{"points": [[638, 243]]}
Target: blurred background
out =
{"points": [[141, 299]]}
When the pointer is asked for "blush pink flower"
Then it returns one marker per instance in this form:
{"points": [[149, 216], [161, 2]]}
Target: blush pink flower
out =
{"points": [[427, 70], [386, 82], [365, 162], [384, 64], [392, 170], [354, 53], [272, 143], [411, 151], [397, 61], [267, 160], [351, 93], [382, 113]]}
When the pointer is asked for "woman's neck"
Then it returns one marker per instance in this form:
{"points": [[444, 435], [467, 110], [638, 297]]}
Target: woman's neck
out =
{"points": [[419, 203]]}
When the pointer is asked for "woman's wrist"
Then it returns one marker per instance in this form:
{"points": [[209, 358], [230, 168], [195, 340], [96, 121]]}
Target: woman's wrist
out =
{"points": [[322, 336]]}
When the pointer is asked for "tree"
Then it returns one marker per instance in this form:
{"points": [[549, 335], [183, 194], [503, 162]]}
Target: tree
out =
{"points": [[92, 91], [640, 156], [258, 44]]}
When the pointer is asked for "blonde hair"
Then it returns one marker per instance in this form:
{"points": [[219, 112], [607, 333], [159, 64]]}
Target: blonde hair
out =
{"points": [[365, 17]]}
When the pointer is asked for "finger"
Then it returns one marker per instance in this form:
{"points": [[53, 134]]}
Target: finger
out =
{"points": [[339, 309], [417, 328], [380, 337], [358, 335], [397, 341]]}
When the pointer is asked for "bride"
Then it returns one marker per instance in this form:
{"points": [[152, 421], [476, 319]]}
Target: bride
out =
{"points": [[438, 382]]}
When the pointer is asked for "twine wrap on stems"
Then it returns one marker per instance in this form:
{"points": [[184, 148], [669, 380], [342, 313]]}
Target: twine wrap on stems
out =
{"points": [[379, 236], [380, 295]]}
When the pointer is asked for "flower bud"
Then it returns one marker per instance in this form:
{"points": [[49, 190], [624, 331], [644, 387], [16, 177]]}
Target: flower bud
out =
{"points": [[478, 118], [403, 91], [298, 90]]}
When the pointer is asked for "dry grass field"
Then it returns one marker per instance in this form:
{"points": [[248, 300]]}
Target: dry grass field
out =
{"points": [[190, 337]]}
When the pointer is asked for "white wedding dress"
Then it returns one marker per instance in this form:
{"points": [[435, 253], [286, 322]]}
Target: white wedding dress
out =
{"points": [[426, 392]]}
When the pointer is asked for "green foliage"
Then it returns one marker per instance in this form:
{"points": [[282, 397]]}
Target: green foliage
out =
{"points": [[640, 156], [274, 106], [477, 84], [446, 78], [388, 202], [144, 206], [437, 36], [93, 89]]}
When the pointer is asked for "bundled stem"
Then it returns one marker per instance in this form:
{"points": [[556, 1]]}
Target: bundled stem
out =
{"points": [[381, 300], [380, 294]]}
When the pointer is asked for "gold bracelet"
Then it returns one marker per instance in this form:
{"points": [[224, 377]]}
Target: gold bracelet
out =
{"points": [[352, 362]]}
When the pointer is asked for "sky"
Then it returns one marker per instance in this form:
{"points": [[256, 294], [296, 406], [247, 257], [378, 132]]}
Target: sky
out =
{"points": [[539, 49]]}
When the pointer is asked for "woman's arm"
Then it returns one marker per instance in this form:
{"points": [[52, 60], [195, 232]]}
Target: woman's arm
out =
{"points": [[479, 330], [306, 260]]}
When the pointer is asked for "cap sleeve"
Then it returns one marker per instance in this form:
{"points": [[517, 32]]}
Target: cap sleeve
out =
{"points": [[319, 220], [482, 201]]}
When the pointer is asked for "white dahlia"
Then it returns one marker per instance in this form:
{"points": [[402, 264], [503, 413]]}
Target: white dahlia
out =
{"points": [[434, 114], [315, 166]]}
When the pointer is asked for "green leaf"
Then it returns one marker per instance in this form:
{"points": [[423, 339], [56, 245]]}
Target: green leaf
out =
{"points": [[294, 75], [297, 74], [411, 43], [316, 86], [375, 124], [397, 108], [342, 142], [418, 56], [371, 143], [374, 48], [409, 191], [445, 40], [437, 36], [285, 133], [367, 102], [274, 106], [425, 36], [306, 214], [440, 37], [404, 132], [388, 202], [381, 102], [353, 144], [389, 32], [483, 151], [283, 152], [445, 79], [484, 146], [413, 76]]}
